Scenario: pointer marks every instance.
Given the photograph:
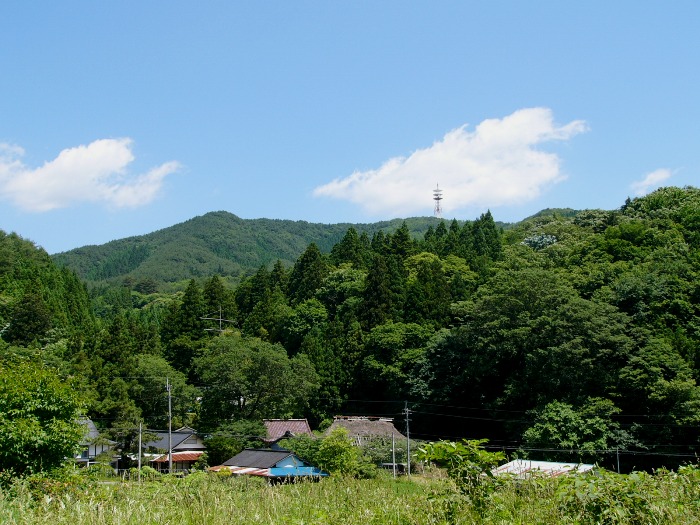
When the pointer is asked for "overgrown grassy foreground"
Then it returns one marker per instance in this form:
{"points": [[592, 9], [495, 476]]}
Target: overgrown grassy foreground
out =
{"points": [[208, 499]]}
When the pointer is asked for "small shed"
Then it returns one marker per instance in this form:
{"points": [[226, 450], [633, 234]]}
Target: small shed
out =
{"points": [[363, 428], [525, 468], [274, 464]]}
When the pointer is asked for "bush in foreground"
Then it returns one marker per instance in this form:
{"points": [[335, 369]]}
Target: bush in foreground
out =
{"points": [[39, 418]]}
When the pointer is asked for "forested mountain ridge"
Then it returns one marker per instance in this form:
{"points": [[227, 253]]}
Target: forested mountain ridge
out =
{"points": [[37, 297], [571, 335], [215, 243]]}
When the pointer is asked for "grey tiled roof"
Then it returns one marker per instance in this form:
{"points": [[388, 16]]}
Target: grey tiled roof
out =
{"points": [[258, 458], [91, 434], [179, 437]]}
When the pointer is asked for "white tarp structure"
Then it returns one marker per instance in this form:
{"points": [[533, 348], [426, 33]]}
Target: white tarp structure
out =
{"points": [[523, 468]]}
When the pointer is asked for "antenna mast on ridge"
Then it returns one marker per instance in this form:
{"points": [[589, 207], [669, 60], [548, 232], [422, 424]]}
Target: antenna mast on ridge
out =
{"points": [[437, 197]]}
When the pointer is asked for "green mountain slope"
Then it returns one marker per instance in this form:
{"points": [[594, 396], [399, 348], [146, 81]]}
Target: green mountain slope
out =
{"points": [[36, 296], [215, 243]]}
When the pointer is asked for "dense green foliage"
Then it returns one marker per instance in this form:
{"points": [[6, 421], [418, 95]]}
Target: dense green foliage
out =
{"points": [[335, 453], [39, 302], [250, 379], [231, 438], [217, 243], [571, 336], [39, 419], [468, 465]]}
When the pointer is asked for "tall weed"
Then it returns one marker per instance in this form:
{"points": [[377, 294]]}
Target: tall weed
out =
{"points": [[203, 498]]}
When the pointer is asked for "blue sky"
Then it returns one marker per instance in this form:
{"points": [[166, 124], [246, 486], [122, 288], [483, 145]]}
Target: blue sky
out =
{"points": [[121, 118]]}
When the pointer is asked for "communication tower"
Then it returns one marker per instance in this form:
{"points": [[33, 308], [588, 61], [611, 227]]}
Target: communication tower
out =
{"points": [[437, 197]]}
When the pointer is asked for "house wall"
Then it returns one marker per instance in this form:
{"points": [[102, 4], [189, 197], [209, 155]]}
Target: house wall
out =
{"points": [[291, 461], [92, 451], [191, 443]]}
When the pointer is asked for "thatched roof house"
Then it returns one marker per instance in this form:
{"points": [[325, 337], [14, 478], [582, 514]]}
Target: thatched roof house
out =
{"points": [[362, 428]]}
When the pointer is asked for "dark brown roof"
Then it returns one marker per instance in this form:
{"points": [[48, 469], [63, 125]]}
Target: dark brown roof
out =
{"points": [[279, 428], [365, 427]]}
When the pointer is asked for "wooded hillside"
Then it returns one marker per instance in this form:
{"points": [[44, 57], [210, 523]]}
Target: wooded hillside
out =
{"points": [[572, 336], [217, 243]]}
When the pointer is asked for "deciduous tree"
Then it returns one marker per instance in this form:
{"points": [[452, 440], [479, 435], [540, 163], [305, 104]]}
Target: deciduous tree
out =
{"points": [[39, 418]]}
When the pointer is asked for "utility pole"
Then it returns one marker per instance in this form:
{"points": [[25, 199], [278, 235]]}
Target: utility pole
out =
{"points": [[140, 431], [170, 426], [408, 439], [393, 453]]}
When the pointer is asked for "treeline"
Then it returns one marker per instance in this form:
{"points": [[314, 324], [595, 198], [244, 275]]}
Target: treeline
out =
{"points": [[217, 243], [570, 336], [38, 300]]}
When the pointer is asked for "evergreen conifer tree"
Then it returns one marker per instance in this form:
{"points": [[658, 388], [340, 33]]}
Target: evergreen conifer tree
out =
{"points": [[307, 275]]}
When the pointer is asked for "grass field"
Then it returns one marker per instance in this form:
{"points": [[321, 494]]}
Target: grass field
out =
{"points": [[672, 498]]}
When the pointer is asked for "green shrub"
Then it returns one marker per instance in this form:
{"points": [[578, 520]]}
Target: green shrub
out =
{"points": [[147, 474], [468, 464], [335, 453], [99, 471], [57, 483], [606, 497]]}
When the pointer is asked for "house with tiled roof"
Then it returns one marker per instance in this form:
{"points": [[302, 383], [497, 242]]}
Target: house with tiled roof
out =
{"points": [[271, 464], [94, 444], [187, 449], [182, 461]]}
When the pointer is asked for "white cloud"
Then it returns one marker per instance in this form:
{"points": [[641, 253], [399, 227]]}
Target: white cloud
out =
{"points": [[651, 181], [93, 173], [496, 164]]}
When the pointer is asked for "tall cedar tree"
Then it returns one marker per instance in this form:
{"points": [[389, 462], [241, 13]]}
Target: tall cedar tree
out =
{"points": [[279, 276], [427, 293], [487, 237], [349, 250], [30, 321], [218, 300], [184, 328], [377, 299], [307, 275], [251, 291]]}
